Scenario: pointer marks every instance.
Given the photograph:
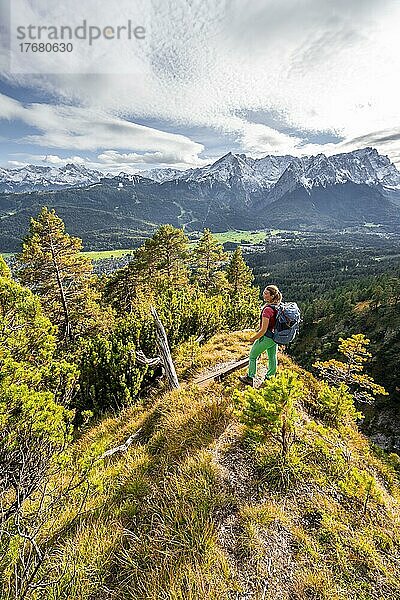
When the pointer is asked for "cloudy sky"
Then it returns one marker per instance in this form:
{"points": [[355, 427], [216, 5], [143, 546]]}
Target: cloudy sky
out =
{"points": [[211, 76]]}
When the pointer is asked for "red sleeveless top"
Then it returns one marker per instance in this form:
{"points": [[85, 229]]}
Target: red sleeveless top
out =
{"points": [[270, 313]]}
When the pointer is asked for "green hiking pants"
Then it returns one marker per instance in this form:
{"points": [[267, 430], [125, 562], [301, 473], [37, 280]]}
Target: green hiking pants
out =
{"points": [[259, 346]]}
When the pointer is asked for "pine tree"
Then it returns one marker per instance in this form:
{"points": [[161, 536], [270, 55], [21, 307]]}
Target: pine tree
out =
{"points": [[164, 257], [125, 287], [243, 306], [209, 257], [34, 388], [35, 430], [55, 269], [240, 276], [351, 372], [271, 410], [4, 269]]}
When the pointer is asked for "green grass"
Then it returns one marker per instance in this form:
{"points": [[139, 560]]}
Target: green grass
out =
{"points": [[101, 254], [189, 511], [237, 237], [234, 236]]}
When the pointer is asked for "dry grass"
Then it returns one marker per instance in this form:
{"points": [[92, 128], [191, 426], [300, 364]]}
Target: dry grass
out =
{"points": [[188, 511], [191, 359], [361, 307]]}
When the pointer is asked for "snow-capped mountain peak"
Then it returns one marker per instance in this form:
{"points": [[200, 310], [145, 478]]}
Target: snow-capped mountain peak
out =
{"points": [[37, 177], [271, 173], [364, 166]]}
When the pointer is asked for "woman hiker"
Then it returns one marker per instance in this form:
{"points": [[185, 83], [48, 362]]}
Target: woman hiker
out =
{"points": [[263, 338]]}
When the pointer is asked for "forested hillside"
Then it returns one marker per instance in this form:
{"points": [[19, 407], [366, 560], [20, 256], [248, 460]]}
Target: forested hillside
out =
{"points": [[370, 305], [319, 193], [218, 492], [344, 284]]}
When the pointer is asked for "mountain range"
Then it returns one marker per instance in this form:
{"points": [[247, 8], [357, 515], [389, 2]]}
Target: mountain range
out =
{"points": [[32, 178], [235, 192], [360, 166]]}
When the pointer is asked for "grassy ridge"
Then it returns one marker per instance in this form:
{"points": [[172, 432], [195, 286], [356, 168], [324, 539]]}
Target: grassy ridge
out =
{"points": [[193, 509]]}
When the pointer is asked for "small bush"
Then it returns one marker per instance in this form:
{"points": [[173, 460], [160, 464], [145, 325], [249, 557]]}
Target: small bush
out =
{"points": [[360, 487], [336, 405], [270, 411]]}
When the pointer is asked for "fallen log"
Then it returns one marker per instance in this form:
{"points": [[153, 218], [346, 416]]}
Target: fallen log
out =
{"points": [[219, 374]]}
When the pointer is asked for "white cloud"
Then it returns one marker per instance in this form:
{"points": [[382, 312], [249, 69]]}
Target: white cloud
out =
{"points": [[14, 164], [22, 158], [258, 140], [62, 126], [316, 65], [9, 108], [111, 157], [47, 159], [53, 159]]}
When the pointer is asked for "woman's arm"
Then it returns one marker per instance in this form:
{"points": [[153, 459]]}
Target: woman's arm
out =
{"points": [[262, 330]]}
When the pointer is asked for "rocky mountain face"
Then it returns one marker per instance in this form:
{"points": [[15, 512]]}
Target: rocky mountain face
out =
{"points": [[235, 192], [34, 178], [364, 166]]}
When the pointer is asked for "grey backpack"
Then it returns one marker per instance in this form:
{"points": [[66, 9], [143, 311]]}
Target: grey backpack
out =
{"points": [[287, 323]]}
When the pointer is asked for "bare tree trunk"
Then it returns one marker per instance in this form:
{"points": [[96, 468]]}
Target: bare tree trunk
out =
{"points": [[165, 353]]}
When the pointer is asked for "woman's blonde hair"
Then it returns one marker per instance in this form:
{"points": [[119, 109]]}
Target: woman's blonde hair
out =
{"points": [[275, 294]]}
